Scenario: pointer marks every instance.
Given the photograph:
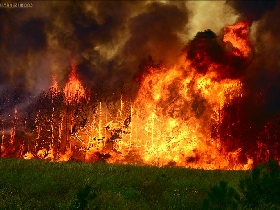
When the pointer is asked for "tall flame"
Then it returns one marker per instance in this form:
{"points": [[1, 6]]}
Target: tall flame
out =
{"points": [[178, 107], [73, 88], [54, 85]]}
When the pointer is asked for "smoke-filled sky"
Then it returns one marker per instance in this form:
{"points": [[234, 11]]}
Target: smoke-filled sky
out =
{"points": [[109, 39]]}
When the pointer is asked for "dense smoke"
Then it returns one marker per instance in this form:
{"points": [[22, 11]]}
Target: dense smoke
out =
{"points": [[258, 118], [262, 79], [108, 40], [253, 10]]}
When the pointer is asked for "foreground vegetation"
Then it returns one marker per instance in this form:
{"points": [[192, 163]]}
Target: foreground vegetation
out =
{"points": [[36, 184]]}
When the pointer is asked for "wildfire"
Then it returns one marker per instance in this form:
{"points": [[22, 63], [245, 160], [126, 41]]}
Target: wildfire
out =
{"points": [[172, 121]]}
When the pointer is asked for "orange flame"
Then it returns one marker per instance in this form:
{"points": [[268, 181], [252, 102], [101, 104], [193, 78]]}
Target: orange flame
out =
{"points": [[169, 122], [54, 85], [178, 111], [237, 35], [73, 88]]}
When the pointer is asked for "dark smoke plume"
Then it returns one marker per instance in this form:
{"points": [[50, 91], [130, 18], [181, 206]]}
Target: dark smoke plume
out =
{"points": [[258, 118], [262, 78], [253, 10], [107, 40]]}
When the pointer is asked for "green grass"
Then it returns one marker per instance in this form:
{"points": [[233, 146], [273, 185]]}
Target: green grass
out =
{"points": [[36, 184]]}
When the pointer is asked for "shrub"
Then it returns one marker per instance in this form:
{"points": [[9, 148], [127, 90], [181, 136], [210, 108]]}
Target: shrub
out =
{"points": [[263, 187], [83, 196], [221, 197]]}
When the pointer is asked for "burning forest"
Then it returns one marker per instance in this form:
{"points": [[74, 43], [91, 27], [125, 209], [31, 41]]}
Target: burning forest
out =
{"points": [[136, 83]]}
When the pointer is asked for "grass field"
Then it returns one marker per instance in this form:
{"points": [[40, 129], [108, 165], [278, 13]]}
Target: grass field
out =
{"points": [[36, 184]]}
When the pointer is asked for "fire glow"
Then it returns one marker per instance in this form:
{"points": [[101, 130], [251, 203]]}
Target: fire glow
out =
{"points": [[174, 120]]}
